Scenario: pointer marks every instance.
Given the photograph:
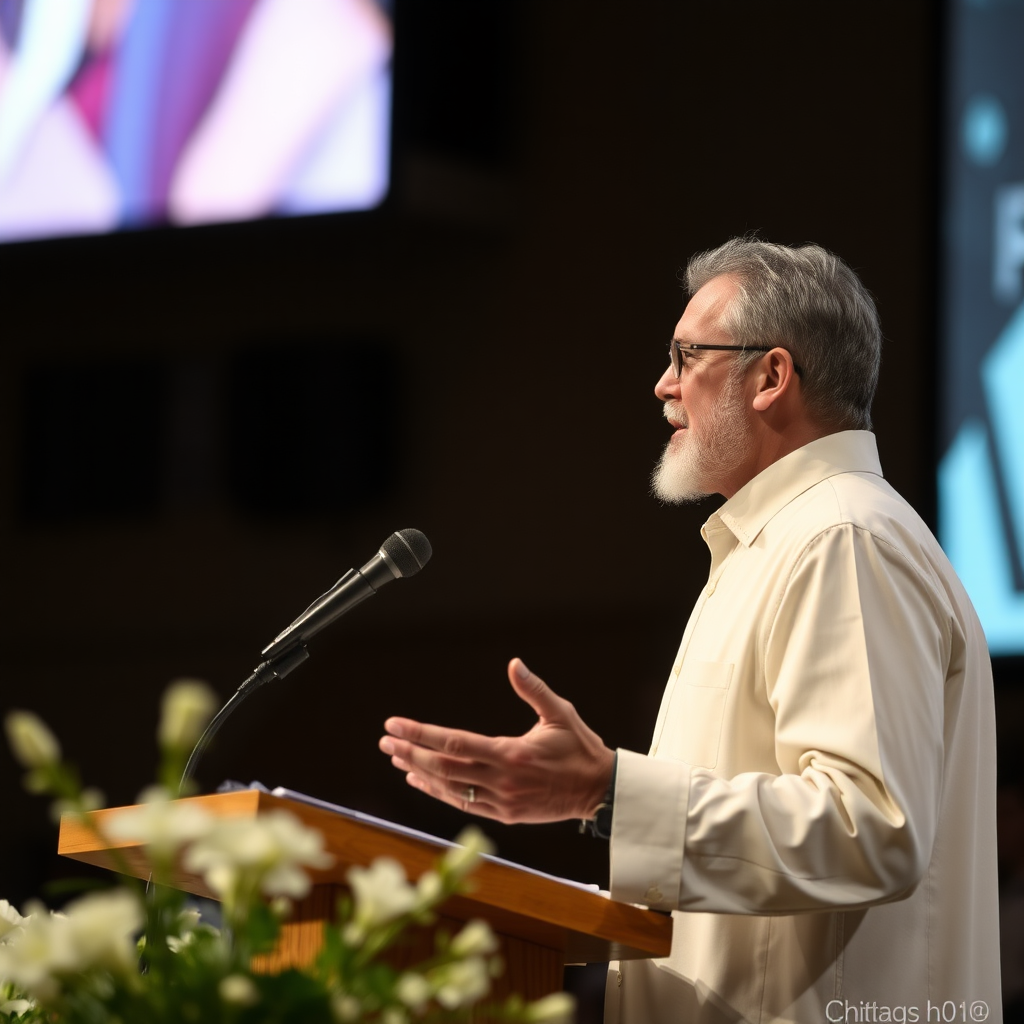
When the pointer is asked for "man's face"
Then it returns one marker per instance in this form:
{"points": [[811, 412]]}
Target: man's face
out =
{"points": [[707, 406]]}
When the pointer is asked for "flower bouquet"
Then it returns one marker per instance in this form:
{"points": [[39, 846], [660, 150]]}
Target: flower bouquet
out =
{"points": [[142, 953]]}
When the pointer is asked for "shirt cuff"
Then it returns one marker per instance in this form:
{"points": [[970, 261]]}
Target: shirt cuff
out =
{"points": [[649, 830]]}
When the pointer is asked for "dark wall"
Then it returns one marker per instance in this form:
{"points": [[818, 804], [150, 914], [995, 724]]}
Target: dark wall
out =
{"points": [[201, 430]]}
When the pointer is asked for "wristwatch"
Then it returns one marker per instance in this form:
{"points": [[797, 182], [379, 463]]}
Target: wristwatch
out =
{"points": [[600, 823]]}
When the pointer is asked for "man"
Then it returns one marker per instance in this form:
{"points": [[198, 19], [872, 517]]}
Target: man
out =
{"points": [[818, 805]]}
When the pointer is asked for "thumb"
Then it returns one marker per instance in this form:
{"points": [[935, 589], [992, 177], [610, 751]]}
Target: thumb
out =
{"points": [[532, 689]]}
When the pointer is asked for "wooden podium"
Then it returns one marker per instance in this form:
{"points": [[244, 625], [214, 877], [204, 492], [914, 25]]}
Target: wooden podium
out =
{"points": [[542, 923]]}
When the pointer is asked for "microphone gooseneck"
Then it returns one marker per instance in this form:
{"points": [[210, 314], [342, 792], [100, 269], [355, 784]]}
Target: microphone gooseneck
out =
{"points": [[403, 554]]}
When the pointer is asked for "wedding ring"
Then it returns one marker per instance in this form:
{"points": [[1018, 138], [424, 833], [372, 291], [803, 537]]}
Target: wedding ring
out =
{"points": [[469, 795]]}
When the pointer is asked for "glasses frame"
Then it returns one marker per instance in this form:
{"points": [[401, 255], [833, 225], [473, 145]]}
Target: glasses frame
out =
{"points": [[676, 347]]}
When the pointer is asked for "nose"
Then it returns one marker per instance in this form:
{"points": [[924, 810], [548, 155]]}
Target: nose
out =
{"points": [[667, 386]]}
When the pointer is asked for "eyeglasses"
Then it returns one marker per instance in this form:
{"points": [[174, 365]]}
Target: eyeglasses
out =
{"points": [[676, 348]]}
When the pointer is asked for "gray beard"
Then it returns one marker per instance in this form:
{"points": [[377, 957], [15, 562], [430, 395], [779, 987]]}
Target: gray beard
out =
{"points": [[674, 479], [695, 466]]}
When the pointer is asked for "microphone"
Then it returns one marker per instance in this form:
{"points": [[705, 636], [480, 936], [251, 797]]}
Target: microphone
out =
{"points": [[403, 554]]}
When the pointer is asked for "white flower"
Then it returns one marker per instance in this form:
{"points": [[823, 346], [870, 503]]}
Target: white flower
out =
{"points": [[102, 928], [15, 1006], [557, 1008], [268, 852], [462, 983], [475, 939], [461, 859], [162, 824], [189, 924], [381, 893], [9, 918], [239, 990], [90, 799], [428, 888], [31, 741], [187, 706], [394, 1015], [188, 920], [414, 990], [345, 1008], [281, 907], [98, 931], [38, 951]]}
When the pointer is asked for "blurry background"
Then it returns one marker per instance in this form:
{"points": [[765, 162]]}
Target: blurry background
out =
{"points": [[202, 428]]}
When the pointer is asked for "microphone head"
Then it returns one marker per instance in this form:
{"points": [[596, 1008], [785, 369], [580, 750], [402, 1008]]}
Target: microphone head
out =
{"points": [[408, 550]]}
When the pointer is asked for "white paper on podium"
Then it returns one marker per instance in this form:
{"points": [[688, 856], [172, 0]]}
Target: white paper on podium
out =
{"points": [[369, 819]]}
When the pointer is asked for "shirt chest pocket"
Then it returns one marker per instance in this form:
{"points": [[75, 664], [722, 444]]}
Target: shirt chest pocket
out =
{"points": [[693, 725]]}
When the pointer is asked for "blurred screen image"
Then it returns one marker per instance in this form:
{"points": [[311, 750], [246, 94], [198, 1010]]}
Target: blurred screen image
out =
{"points": [[128, 113], [981, 474]]}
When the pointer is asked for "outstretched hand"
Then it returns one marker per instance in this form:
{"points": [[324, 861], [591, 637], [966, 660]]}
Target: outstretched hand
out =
{"points": [[559, 769]]}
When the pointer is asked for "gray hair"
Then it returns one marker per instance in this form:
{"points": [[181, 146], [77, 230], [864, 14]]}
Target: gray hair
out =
{"points": [[811, 303]]}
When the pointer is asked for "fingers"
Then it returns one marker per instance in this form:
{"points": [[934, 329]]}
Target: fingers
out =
{"points": [[446, 770], [532, 689], [453, 742], [467, 796], [450, 771], [458, 743], [456, 796], [505, 778]]}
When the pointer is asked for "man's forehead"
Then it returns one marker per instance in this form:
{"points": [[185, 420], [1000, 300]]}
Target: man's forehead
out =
{"points": [[704, 311]]}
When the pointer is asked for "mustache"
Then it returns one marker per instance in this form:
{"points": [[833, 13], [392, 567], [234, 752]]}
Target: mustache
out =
{"points": [[674, 412]]}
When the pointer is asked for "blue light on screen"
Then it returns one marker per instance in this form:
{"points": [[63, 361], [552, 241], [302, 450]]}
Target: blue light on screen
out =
{"points": [[981, 473]]}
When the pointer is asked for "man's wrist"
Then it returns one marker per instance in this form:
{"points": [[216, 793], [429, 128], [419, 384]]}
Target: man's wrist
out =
{"points": [[599, 824]]}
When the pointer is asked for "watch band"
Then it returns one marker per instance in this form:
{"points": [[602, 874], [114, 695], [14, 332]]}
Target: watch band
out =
{"points": [[599, 824]]}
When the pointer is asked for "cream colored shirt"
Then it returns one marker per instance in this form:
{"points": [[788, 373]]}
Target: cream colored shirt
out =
{"points": [[819, 800]]}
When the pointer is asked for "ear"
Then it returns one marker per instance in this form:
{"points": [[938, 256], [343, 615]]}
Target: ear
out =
{"points": [[776, 377]]}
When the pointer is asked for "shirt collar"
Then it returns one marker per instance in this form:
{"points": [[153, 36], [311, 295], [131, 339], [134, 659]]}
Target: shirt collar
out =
{"points": [[752, 507]]}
